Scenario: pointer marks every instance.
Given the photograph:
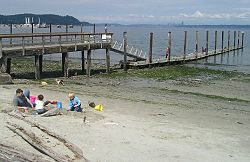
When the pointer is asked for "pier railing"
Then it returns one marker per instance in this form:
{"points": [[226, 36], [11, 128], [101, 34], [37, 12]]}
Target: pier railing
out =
{"points": [[132, 51], [41, 40]]}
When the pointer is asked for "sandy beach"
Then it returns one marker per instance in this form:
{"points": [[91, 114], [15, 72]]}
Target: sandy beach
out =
{"points": [[200, 118]]}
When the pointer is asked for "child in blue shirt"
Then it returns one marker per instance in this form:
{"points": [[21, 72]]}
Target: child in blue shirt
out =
{"points": [[74, 103]]}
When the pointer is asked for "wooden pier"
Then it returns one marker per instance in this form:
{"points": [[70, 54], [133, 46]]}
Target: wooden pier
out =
{"points": [[39, 44]]}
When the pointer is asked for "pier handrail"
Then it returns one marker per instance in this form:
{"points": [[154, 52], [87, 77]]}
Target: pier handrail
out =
{"points": [[19, 35], [131, 50]]}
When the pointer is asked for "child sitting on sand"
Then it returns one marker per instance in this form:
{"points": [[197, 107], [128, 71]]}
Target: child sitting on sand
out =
{"points": [[74, 103], [40, 105]]}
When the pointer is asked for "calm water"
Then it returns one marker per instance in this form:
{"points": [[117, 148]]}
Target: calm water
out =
{"points": [[138, 36]]}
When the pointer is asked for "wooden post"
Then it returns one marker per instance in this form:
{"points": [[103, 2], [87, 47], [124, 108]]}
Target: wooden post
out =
{"points": [[185, 45], [83, 62], [108, 60], [50, 31], [234, 39], [106, 29], [215, 41], [11, 32], [207, 33], [38, 64], [88, 70], [197, 45], [125, 51], [65, 62], [242, 39], [81, 32], [94, 29], [1, 48], [169, 45], [238, 44], [8, 68], [222, 41], [67, 31], [228, 42], [150, 55], [32, 31]]}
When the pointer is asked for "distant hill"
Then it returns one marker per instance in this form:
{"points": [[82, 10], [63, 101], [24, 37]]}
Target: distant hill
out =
{"points": [[44, 18]]}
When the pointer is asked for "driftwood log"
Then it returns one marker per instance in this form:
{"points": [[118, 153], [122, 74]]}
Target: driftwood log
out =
{"points": [[78, 154], [9, 153]]}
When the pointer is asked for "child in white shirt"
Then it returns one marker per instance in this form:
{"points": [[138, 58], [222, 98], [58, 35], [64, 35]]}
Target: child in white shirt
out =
{"points": [[40, 105]]}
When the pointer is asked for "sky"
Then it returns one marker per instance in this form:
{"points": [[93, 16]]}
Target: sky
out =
{"points": [[204, 12]]}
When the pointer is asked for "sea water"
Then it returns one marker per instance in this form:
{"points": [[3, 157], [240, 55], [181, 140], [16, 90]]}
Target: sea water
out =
{"points": [[138, 37]]}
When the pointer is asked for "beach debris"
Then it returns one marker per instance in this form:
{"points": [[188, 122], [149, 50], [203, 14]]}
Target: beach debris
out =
{"points": [[99, 107], [239, 123], [44, 83], [34, 139], [91, 104], [59, 82]]}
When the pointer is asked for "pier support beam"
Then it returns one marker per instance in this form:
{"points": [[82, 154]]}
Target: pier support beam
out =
{"points": [[150, 55], [88, 69], [125, 51], [197, 45], [207, 33], [238, 44], [234, 39], [222, 41], [8, 65], [185, 46], [108, 61], [169, 45], [242, 39], [83, 62], [38, 65], [215, 41], [228, 41], [65, 64]]}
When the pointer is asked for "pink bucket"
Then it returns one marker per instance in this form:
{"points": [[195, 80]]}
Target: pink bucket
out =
{"points": [[32, 99]]}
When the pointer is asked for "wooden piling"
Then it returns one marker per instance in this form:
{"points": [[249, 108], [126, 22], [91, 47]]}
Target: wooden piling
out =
{"points": [[234, 39], [215, 41], [106, 29], [83, 62], [222, 41], [50, 31], [1, 48], [185, 45], [108, 61], [242, 39], [125, 51], [32, 31], [169, 45], [65, 63], [8, 66], [88, 69], [197, 45], [11, 32], [228, 41], [150, 54], [207, 33], [67, 30], [238, 44], [38, 65]]}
